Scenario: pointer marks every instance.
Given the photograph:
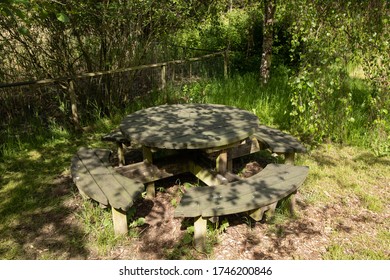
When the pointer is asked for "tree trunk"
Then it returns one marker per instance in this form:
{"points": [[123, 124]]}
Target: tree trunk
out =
{"points": [[269, 13]]}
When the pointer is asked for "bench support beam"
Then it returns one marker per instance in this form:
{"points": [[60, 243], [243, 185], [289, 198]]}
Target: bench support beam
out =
{"points": [[293, 203], [257, 214]]}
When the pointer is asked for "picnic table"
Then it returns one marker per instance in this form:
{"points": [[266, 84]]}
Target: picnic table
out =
{"points": [[206, 127], [188, 135]]}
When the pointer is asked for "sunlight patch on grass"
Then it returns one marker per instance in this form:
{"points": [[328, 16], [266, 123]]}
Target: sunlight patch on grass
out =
{"points": [[342, 172], [360, 247]]}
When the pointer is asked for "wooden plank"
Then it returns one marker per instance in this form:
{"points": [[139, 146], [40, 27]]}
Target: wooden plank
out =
{"points": [[247, 199], [133, 188], [100, 73], [278, 141], [207, 176], [103, 155], [85, 182], [101, 183], [115, 136], [182, 137], [189, 126], [254, 192], [145, 172], [249, 146]]}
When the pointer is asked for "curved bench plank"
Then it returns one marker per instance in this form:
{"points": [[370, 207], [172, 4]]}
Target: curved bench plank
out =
{"points": [[278, 141], [95, 178], [274, 183], [85, 182]]}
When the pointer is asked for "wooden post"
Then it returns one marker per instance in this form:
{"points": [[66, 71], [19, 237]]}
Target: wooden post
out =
{"points": [[229, 164], [257, 214], [148, 158], [292, 203], [271, 210], [225, 64], [119, 218], [121, 154], [73, 102], [200, 233], [163, 76], [289, 158], [222, 162]]}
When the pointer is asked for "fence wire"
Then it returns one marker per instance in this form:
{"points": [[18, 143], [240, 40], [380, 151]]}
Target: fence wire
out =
{"points": [[50, 102]]}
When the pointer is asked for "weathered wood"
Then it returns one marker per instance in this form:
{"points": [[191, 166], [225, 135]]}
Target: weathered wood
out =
{"points": [[222, 162], [119, 219], [207, 176], [289, 158], [278, 141], [97, 180], [256, 195], [275, 182], [189, 126], [146, 172], [200, 232], [101, 73], [85, 181], [257, 214], [102, 179], [292, 203], [148, 159], [117, 137], [163, 77], [248, 146]]}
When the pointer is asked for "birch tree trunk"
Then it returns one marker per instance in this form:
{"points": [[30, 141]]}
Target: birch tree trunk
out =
{"points": [[266, 56]]}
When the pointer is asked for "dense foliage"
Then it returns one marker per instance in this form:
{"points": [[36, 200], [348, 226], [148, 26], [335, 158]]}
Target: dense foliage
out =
{"points": [[333, 56]]}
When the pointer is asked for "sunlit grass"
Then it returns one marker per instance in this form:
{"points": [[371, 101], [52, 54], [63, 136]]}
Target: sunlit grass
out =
{"points": [[361, 247]]}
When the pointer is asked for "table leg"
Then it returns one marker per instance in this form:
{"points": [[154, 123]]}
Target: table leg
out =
{"points": [[148, 158], [222, 162], [289, 158]]}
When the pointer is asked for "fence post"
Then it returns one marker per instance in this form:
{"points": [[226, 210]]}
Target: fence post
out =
{"points": [[73, 103], [225, 64], [163, 76]]}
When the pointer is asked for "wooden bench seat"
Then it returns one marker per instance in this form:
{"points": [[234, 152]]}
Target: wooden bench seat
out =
{"points": [[96, 179], [255, 194], [120, 140], [279, 142]]}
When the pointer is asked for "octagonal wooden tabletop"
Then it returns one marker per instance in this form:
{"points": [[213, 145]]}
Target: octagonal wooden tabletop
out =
{"points": [[189, 126]]}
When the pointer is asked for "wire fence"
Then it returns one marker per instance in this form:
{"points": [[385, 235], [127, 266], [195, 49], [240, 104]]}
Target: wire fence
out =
{"points": [[83, 96]]}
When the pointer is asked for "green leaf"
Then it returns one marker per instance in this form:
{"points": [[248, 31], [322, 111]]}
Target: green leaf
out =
{"points": [[23, 30], [63, 17]]}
